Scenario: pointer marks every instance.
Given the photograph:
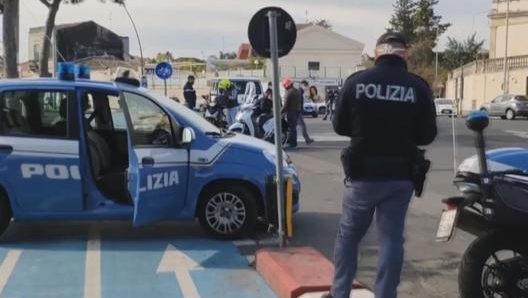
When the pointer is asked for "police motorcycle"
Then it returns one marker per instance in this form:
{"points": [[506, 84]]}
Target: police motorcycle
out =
{"points": [[246, 122], [493, 206]]}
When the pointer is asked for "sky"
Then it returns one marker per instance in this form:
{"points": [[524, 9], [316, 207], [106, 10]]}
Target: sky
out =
{"points": [[200, 28]]}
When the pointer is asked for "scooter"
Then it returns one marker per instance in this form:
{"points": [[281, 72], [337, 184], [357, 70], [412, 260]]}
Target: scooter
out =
{"points": [[493, 206], [246, 123]]}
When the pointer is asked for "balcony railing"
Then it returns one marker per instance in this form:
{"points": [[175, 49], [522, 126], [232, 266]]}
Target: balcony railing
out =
{"points": [[490, 65]]}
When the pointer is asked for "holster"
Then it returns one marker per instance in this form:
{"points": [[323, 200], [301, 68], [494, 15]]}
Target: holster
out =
{"points": [[419, 168]]}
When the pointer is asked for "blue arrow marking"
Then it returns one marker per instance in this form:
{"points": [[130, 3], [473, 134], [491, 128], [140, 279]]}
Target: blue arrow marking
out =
{"points": [[135, 269], [225, 272], [129, 270]]}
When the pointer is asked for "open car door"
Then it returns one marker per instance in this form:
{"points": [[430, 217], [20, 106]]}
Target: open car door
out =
{"points": [[157, 171]]}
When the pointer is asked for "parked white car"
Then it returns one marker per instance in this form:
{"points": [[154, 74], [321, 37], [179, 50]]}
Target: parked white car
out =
{"points": [[445, 107]]}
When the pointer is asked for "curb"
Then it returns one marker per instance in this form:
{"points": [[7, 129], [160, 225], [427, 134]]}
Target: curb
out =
{"points": [[296, 272]]}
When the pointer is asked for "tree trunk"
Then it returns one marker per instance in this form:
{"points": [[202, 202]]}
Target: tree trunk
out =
{"points": [[10, 31], [46, 43]]}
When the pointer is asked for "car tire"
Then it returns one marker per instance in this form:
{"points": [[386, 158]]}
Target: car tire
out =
{"points": [[5, 213], [239, 211], [315, 115], [510, 114]]}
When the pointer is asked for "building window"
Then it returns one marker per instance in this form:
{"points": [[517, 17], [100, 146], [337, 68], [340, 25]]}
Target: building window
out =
{"points": [[312, 65]]}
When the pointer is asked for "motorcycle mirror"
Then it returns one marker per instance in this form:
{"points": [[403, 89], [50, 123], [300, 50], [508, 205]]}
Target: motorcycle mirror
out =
{"points": [[477, 121]]}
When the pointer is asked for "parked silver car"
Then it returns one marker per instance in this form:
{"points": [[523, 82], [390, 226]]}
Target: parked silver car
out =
{"points": [[507, 106]]}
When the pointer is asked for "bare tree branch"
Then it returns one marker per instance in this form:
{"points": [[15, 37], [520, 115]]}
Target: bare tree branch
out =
{"points": [[46, 3]]}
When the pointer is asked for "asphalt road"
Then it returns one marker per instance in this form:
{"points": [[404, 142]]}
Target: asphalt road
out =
{"points": [[431, 268], [105, 260]]}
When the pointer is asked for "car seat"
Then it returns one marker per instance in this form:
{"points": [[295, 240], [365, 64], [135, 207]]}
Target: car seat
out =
{"points": [[112, 182]]}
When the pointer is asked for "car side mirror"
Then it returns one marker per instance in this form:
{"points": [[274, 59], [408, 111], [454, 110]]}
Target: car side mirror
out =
{"points": [[477, 121], [188, 135]]}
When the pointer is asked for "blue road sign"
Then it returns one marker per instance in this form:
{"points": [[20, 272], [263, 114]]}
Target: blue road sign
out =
{"points": [[163, 70]]}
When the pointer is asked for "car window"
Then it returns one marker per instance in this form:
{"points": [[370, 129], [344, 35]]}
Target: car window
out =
{"points": [[497, 99], [186, 114], [36, 113], [521, 98], [148, 121], [118, 115], [99, 107]]}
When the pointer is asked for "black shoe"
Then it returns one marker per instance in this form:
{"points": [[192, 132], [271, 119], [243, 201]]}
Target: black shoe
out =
{"points": [[309, 141], [327, 295]]}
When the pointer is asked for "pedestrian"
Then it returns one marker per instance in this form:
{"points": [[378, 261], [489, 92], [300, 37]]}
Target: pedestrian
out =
{"points": [[387, 112], [232, 103], [189, 93], [269, 88], [305, 95], [292, 108], [331, 95]]}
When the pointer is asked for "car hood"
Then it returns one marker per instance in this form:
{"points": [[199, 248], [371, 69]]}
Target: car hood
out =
{"points": [[247, 142]]}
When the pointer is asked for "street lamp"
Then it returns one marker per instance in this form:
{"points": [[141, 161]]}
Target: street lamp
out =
{"points": [[505, 82], [137, 36]]}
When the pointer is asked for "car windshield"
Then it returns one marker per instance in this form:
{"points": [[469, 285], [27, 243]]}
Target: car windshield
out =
{"points": [[443, 102], [190, 116]]}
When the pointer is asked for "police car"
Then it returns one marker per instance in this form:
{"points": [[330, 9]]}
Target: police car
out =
{"points": [[76, 149]]}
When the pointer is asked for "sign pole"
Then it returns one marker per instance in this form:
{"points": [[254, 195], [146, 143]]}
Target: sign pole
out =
{"points": [[165, 86], [274, 51]]}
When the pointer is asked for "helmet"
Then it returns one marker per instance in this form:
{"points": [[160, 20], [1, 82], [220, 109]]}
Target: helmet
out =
{"points": [[286, 83], [224, 84]]}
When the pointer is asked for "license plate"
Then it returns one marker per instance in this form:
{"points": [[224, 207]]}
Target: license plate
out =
{"points": [[446, 227], [446, 112]]}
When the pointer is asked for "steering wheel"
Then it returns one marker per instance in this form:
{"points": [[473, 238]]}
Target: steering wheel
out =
{"points": [[160, 137]]}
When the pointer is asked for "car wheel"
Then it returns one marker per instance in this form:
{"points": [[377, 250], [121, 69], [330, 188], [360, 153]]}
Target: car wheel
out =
{"points": [[510, 114], [5, 213], [228, 211], [315, 115]]}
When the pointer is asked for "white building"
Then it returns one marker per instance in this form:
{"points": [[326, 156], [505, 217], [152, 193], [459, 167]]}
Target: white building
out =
{"points": [[320, 55], [482, 80]]}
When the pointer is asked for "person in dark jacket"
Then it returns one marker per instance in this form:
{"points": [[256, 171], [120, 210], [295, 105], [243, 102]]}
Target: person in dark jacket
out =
{"points": [[265, 107], [189, 93], [387, 112], [292, 108]]}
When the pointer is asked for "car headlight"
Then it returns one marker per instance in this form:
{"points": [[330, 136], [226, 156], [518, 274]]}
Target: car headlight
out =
{"points": [[467, 187], [272, 157]]}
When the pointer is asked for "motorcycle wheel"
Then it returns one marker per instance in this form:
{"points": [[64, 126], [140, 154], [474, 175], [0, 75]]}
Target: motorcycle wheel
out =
{"points": [[507, 278]]}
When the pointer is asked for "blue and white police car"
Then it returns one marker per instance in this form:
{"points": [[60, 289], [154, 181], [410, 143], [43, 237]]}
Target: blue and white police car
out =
{"points": [[76, 149]]}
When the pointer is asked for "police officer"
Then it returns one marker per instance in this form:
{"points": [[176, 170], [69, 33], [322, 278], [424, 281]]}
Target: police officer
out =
{"points": [[189, 93], [387, 112]]}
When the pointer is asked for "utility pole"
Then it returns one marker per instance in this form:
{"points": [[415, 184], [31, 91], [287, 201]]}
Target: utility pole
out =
{"points": [[436, 55], [505, 81]]}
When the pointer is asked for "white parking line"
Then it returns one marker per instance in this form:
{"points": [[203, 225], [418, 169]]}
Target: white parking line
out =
{"points": [[518, 133], [7, 267], [92, 277]]}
